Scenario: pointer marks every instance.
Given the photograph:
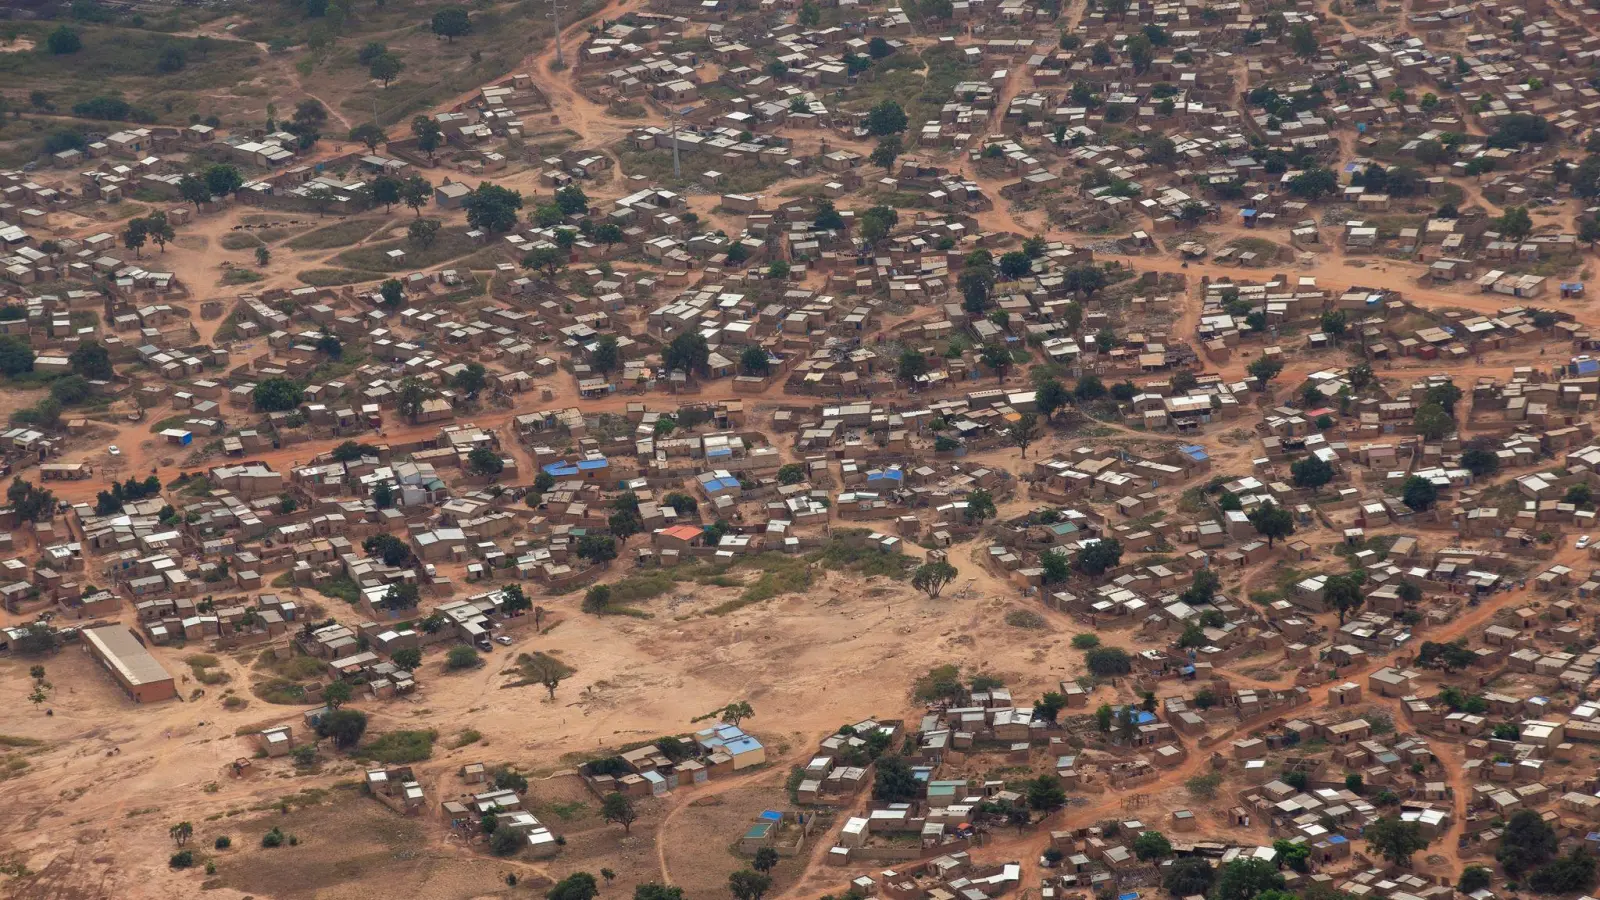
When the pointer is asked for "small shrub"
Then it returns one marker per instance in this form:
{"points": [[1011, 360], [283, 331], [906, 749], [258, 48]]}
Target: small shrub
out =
{"points": [[1085, 641], [1204, 787], [183, 859], [273, 838], [1025, 618], [223, 842]]}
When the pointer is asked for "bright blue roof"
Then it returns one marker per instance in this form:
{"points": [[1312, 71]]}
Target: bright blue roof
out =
{"points": [[1338, 839], [1585, 366], [771, 815], [589, 465], [561, 468], [891, 474], [742, 744], [722, 484], [1194, 452]]}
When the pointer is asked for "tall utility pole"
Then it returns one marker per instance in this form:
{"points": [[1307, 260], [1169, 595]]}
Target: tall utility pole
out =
{"points": [[555, 13]]}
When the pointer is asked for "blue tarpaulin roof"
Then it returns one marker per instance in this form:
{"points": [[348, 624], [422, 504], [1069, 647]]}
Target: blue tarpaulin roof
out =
{"points": [[559, 469], [1194, 452], [1587, 366]]}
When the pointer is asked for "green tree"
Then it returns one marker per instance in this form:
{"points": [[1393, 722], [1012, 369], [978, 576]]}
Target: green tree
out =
{"points": [[1473, 879], [385, 189], [687, 351], [1015, 264], [1479, 462], [369, 133], [1433, 421], [345, 726], [63, 41], [1314, 183], [1302, 41], [451, 22], [277, 395], [16, 356], [887, 151], [337, 694], [746, 884], [428, 134], [392, 550], [1049, 706], [91, 360], [134, 236], [1527, 842], [1265, 368], [416, 192], [1188, 876], [886, 118], [1245, 879], [597, 548], [1418, 493], [1108, 662], [392, 293], [1515, 223], [159, 230], [1311, 472], [386, 68], [652, 890], [877, 222], [1045, 794], [618, 809], [1272, 521], [912, 365], [1569, 874], [1094, 559], [1152, 845], [471, 380], [754, 361], [421, 232], [998, 358], [485, 462], [980, 506], [606, 356], [1049, 397], [1395, 840], [1343, 593], [931, 577], [894, 781], [492, 208], [192, 188]]}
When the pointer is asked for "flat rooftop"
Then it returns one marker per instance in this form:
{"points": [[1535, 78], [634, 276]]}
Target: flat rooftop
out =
{"points": [[119, 648]]}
